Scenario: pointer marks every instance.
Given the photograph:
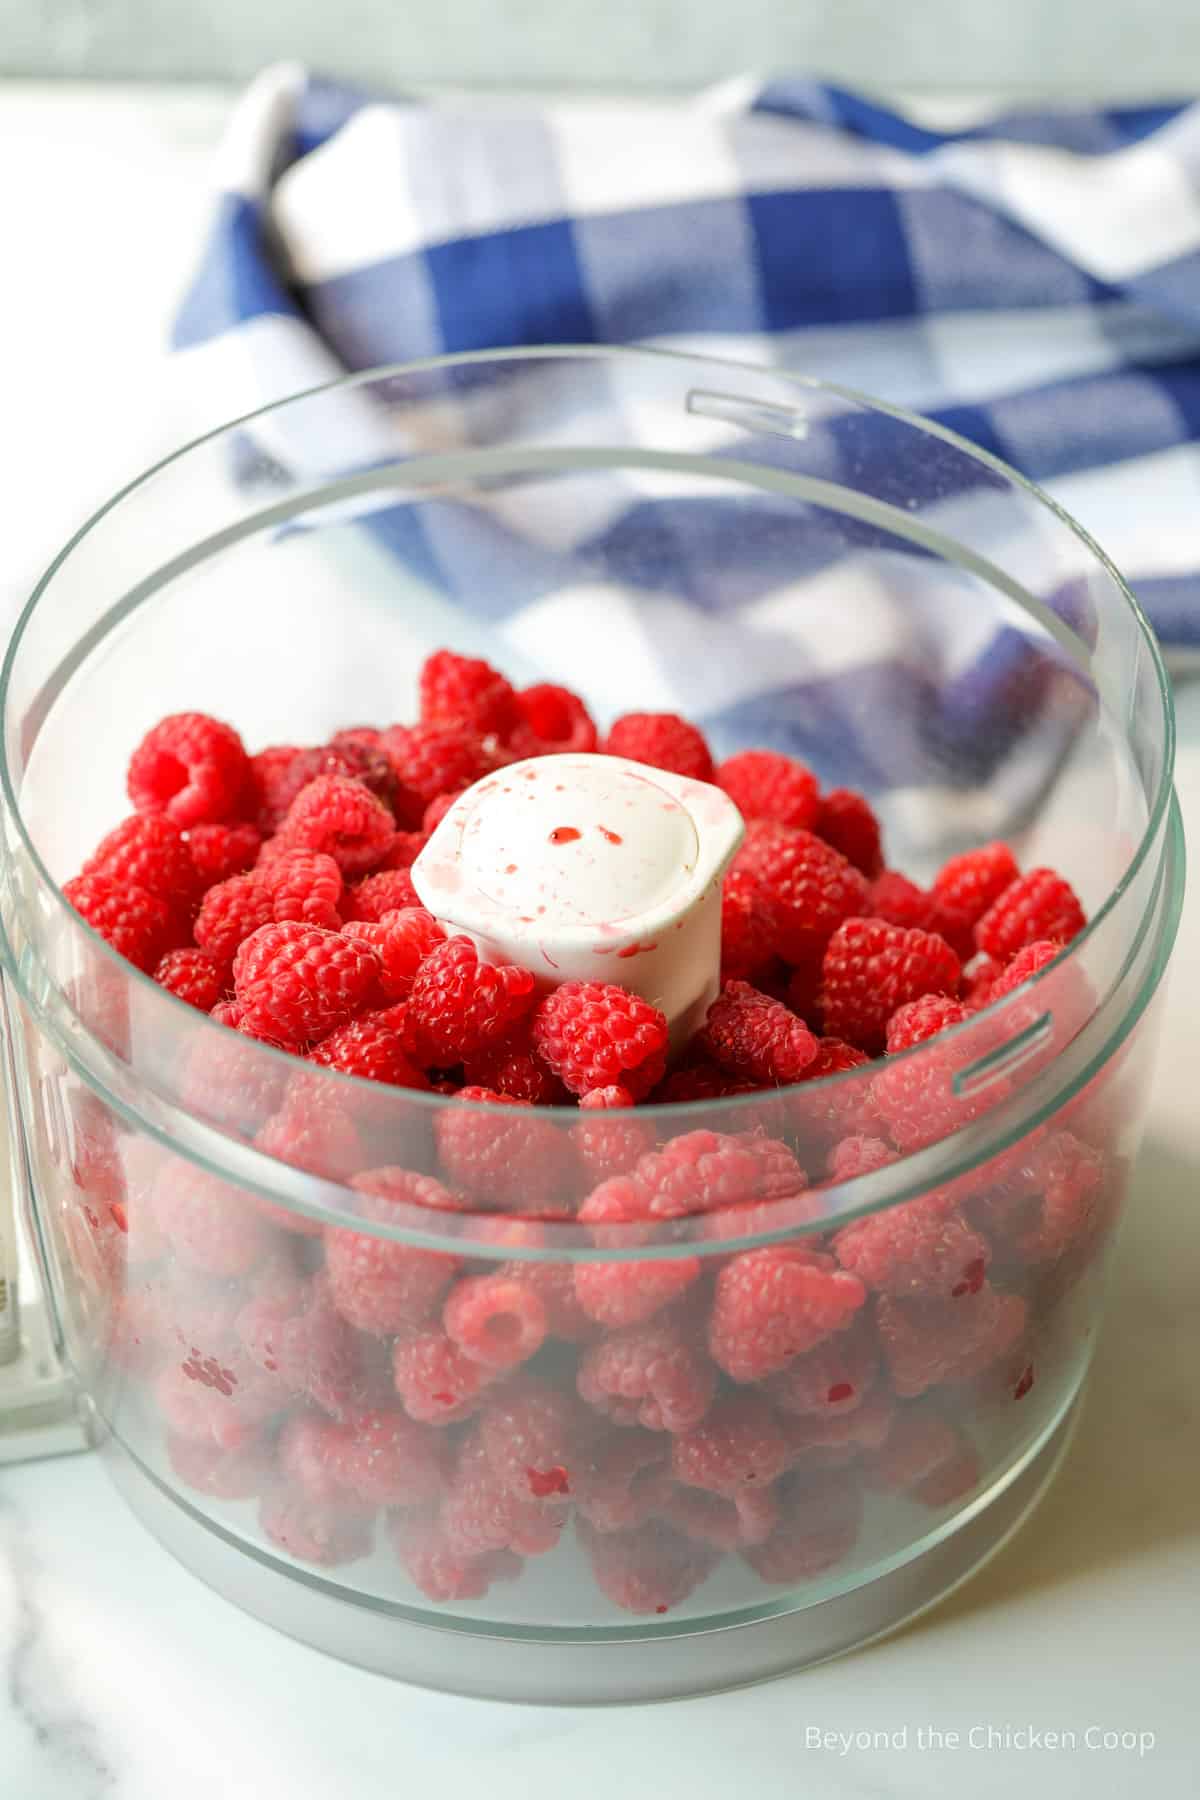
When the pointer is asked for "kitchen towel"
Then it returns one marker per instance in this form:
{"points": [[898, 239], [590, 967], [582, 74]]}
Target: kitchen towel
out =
{"points": [[1029, 279]]}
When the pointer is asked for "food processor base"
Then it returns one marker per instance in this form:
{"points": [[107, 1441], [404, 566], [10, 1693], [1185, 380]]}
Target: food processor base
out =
{"points": [[585, 1668]]}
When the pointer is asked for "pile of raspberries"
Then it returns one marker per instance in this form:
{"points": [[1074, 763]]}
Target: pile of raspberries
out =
{"points": [[677, 1409]]}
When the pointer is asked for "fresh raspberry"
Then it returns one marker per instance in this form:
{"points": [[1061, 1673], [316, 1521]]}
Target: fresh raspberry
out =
{"points": [[510, 1065], [802, 989], [202, 1402], [918, 1020], [341, 818], [655, 1375], [916, 1096], [648, 1570], [149, 852], [845, 820], [458, 1003], [928, 1343], [436, 1382], [820, 1520], [325, 1535], [383, 1458], [372, 1048], [138, 925], [780, 1176], [899, 901], [1051, 1203], [696, 1172], [979, 974], [723, 1524], [239, 1474], [230, 911], [190, 767], [210, 1225], [914, 1251], [925, 1456], [1024, 966], [837, 1437], [765, 785], [593, 1035], [751, 1035], [554, 1285], [481, 1514], [699, 1081], [311, 1133], [608, 1145], [401, 940], [495, 1320], [195, 976], [832, 1379], [628, 1293], [872, 969], [441, 1573], [764, 840], [535, 1440], [745, 934], [379, 1285], [304, 1451], [553, 721], [858, 1155], [464, 691], [271, 786], [279, 774], [296, 983], [771, 1305], [402, 853], [297, 1339], [430, 760], [662, 741], [387, 891], [1035, 906], [432, 817], [968, 885], [359, 755], [844, 1107], [623, 1484], [504, 1153], [219, 851], [305, 885], [737, 1445], [806, 889]]}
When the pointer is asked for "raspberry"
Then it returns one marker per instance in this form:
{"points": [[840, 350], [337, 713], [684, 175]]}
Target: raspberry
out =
{"points": [[918, 1020], [296, 983], [495, 1320], [219, 851], [802, 991], [190, 767], [647, 1570], [609, 1146], [837, 1437], [553, 720], [431, 818], [745, 935], [535, 1440], [624, 1481], [968, 885], [928, 1343], [737, 1445], [505, 1156], [661, 741], [379, 1285], [279, 774], [304, 1450], [436, 1382], [230, 911], [858, 1155], [227, 1079], [211, 1226], [765, 785], [1024, 966], [271, 786], [978, 976], [316, 1137], [383, 1458], [655, 1375], [137, 924], [147, 851], [387, 891], [510, 1065], [195, 976], [593, 1035], [819, 1525], [296, 1337], [711, 1519], [916, 1096], [771, 1305], [481, 1514], [458, 1003], [463, 691], [341, 818], [899, 901], [627, 1293], [844, 1107], [444, 1574], [914, 1251], [925, 1456], [751, 1035], [699, 1081], [325, 1535], [764, 840], [806, 889], [372, 1048], [238, 1474], [846, 821], [1054, 1202], [401, 940], [305, 885], [430, 760], [829, 1380], [696, 1172], [1035, 906], [201, 1402], [871, 969]]}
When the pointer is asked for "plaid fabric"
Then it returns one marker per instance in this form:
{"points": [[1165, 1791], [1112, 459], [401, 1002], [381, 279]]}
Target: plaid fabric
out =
{"points": [[1030, 280]]}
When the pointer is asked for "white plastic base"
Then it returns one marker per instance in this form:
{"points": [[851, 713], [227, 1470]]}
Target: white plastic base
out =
{"points": [[596, 1669]]}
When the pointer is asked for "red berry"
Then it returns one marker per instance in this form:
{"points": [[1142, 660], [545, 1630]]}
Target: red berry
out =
{"points": [[437, 1383], [859, 1155], [149, 852], [296, 983], [737, 1445], [608, 1140], [383, 1458], [771, 1305], [325, 1535], [927, 1343], [432, 817], [968, 885], [846, 821], [916, 1096], [829, 1380], [304, 1452], [1024, 966], [724, 1524], [806, 889], [699, 1081], [871, 969], [1035, 906], [442, 1573], [627, 1293], [377, 1284], [138, 925], [210, 1225], [238, 1474], [311, 1131], [300, 1342], [765, 785], [341, 818], [656, 1375], [901, 902], [820, 1518], [480, 1513], [190, 767], [304, 885], [401, 940], [663, 741], [464, 691], [535, 1439], [925, 1455], [503, 1153], [626, 1476], [553, 721], [918, 1020], [745, 934], [696, 1172], [196, 976], [219, 851], [230, 911], [554, 1285], [458, 1003], [495, 1320], [916, 1250], [510, 1065], [387, 891], [649, 1570], [592, 1035], [837, 1437], [374, 1046], [430, 760], [751, 1035]]}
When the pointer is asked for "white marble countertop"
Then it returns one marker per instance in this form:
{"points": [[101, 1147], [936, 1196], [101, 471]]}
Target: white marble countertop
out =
{"points": [[121, 1676]]}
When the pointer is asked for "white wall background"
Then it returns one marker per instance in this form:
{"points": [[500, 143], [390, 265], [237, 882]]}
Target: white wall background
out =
{"points": [[1087, 46]]}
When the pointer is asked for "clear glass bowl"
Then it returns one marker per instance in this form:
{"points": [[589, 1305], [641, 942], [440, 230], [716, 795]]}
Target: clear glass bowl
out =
{"points": [[791, 565]]}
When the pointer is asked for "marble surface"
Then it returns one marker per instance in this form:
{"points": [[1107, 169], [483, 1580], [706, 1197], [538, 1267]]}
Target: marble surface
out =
{"points": [[121, 1676]]}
